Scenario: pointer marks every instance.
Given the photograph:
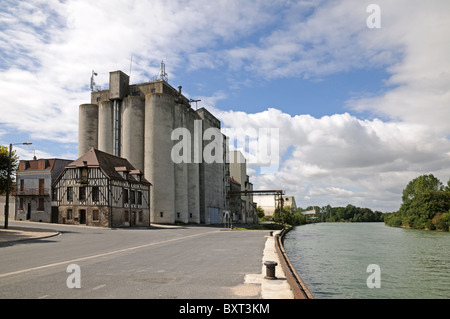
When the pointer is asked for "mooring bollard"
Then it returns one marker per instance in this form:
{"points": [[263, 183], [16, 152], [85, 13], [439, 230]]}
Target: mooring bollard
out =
{"points": [[270, 269]]}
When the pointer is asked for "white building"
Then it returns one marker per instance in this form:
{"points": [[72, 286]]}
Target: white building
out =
{"points": [[238, 176], [268, 203], [34, 179]]}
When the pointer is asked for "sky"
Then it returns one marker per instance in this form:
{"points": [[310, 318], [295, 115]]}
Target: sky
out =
{"points": [[360, 108]]}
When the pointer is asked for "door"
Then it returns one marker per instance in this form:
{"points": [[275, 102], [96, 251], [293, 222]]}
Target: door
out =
{"points": [[54, 217], [214, 215], [29, 211], [82, 213], [133, 219]]}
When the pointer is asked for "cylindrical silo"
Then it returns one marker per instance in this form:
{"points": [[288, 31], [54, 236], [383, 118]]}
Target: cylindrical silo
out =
{"points": [[181, 169], [193, 168], [133, 120], [105, 126], [87, 128], [159, 167]]}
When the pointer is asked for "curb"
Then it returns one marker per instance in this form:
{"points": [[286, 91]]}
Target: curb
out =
{"points": [[54, 234], [297, 285]]}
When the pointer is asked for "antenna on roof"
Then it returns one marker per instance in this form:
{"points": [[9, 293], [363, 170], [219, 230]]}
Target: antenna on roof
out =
{"points": [[131, 63], [162, 73], [92, 80]]}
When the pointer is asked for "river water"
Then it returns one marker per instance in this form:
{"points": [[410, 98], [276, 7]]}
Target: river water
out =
{"points": [[333, 258]]}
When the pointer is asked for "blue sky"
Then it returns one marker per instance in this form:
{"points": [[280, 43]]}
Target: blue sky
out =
{"points": [[360, 111]]}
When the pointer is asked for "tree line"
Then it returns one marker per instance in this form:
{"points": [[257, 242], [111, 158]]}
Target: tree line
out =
{"points": [[425, 205], [349, 213]]}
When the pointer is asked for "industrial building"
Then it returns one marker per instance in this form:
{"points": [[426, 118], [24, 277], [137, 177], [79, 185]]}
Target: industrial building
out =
{"points": [[137, 122], [269, 203], [241, 206]]}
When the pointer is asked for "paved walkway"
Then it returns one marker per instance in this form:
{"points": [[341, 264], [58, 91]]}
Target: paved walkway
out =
{"points": [[271, 288]]}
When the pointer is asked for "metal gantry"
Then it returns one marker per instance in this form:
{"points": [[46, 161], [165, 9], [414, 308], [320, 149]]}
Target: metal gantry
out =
{"points": [[279, 201]]}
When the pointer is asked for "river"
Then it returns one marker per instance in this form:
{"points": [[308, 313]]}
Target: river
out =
{"points": [[333, 258]]}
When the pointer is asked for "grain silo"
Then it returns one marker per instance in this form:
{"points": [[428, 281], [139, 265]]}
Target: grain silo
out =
{"points": [[136, 122], [87, 127]]}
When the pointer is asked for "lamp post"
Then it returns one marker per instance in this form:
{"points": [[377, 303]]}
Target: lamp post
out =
{"points": [[8, 181]]}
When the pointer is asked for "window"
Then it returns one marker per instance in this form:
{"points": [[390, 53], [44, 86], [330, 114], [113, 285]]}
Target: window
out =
{"points": [[21, 204], [83, 175], [54, 193], [139, 198], [22, 185], [125, 196], [82, 191], [178, 215], [95, 193], [132, 197], [41, 204], [161, 214], [69, 214], [41, 186], [69, 194], [95, 215]]}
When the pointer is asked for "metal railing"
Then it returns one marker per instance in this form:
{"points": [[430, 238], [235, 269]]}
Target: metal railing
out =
{"points": [[32, 192]]}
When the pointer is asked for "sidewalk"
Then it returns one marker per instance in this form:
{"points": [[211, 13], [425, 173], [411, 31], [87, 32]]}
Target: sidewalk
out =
{"points": [[271, 289], [14, 234]]}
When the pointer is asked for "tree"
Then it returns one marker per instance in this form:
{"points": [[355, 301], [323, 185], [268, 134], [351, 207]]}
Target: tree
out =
{"points": [[260, 212], [290, 216], [420, 185], [447, 187], [426, 203], [4, 159]]}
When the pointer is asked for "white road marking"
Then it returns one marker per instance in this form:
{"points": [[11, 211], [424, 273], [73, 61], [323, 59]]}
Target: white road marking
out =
{"points": [[98, 287], [100, 255]]}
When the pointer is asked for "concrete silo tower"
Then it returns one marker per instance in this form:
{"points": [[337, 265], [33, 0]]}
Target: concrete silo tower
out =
{"points": [[87, 127], [136, 122]]}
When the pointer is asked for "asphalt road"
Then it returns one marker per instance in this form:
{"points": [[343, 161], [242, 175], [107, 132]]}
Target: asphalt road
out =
{"points": [[192, 262]]}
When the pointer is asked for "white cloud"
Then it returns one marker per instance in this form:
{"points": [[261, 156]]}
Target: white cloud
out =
{"points": [[340, 159], [48, 49]]}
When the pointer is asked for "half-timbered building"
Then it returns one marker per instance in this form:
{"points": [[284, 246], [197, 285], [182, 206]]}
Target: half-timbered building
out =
{"points": [[100, 189]]}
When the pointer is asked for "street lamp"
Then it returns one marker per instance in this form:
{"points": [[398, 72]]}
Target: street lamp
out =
{"points": [[8, 181]]}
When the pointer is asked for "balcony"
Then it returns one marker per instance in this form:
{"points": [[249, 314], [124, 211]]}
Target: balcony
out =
{"points": [[32, 192]]}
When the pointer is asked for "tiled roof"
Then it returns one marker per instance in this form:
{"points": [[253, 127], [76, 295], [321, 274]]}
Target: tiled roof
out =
{"points": [[111, 165]]}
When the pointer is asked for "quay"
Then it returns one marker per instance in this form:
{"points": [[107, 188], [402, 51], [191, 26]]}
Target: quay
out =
{"points": [[185, 262]]}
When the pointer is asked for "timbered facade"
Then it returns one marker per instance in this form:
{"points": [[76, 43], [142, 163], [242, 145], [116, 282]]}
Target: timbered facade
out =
{"points": [[100, 189]]}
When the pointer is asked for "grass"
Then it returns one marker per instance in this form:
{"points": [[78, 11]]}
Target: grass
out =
{"points": [[272, 226]]}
